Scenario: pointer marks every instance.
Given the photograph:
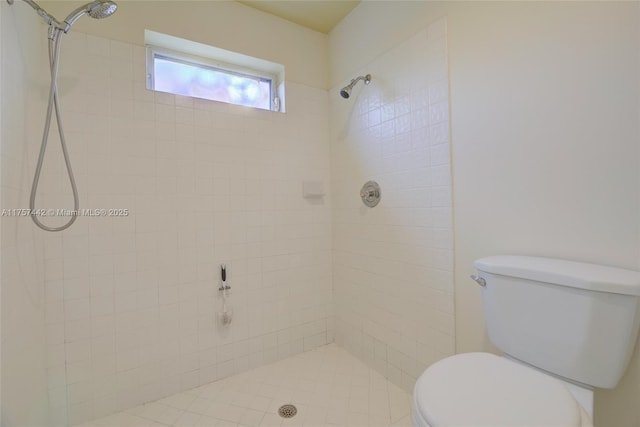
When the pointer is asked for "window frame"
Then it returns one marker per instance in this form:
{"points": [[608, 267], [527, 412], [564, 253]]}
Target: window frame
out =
{"points": [[154, 51]]}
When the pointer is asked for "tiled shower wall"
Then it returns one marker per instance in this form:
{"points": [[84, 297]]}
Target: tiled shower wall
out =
{"points": [[393, 264], [23, 386], [132, 300]]}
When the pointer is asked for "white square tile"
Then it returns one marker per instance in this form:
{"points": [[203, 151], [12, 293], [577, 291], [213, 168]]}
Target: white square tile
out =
{"points": [[252, 418]]}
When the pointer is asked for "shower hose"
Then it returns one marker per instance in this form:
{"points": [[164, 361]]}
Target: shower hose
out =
{"points": [[55, 39]]}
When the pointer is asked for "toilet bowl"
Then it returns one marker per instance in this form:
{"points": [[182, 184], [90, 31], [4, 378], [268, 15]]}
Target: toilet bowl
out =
{"points": [[565, 327], [482, 389]]}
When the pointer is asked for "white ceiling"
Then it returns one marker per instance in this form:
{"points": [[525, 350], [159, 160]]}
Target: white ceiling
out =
{"points": [[319, 15]]}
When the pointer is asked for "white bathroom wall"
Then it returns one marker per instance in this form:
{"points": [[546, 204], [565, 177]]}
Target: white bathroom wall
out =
{"points": [[132, 301], [23, 355], [544, 109], [393, 264]]}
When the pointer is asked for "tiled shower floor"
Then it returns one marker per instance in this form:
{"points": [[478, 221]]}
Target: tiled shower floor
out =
{"points": [[328, 386]]}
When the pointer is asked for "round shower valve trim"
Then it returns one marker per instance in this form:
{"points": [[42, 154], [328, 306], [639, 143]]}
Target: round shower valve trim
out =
{"points": [[370, 193]]}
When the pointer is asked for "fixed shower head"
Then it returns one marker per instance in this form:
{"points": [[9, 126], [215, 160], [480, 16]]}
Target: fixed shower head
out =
{"points": [[345, 92], [97, 9]]}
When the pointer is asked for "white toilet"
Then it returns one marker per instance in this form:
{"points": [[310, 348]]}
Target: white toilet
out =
{"points": [[565, 327]]}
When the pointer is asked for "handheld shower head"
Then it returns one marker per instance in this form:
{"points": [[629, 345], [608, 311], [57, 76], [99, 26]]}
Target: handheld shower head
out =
{"points": [[345, 92], [97, 9], [102, 9]]}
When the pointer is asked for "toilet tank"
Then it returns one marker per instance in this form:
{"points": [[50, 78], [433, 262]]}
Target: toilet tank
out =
{"points": [[575, 320]]}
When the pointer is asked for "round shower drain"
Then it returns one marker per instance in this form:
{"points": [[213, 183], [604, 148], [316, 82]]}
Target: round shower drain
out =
{"points": [[287, 411]]}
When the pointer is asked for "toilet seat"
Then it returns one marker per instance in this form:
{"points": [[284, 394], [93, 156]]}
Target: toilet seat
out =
{"points": [[482, 389]]}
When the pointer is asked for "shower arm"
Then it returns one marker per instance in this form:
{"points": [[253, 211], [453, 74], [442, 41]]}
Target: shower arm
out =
{"points": [[48, 19], [367, 79]]}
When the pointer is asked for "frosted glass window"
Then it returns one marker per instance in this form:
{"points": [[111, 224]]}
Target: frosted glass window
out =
{"points": [[181, 77]]}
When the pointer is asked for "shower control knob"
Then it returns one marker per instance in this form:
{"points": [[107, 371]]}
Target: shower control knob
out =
{"points": [[370, 193]]}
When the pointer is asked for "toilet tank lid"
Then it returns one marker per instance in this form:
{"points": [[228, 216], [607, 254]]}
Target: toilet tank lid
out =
{"points": [[580, 275]]}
